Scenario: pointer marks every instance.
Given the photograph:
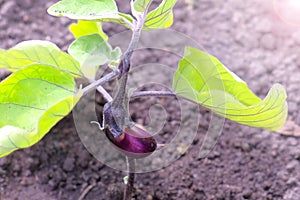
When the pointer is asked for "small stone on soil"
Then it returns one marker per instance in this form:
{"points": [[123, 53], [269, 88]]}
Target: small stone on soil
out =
{"points": [[53, 184], [292, 165], [247, 194], [264, 26], [27, 181], [267, 185], [69, 164], [292, 181], [268, 42], [292, 194], [83, 158]]}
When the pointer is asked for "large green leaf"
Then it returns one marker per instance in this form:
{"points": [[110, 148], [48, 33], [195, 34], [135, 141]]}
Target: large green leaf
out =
{"points": [[38, 52], [101, 10], [83, 27], [161, 17], [32, 101], [85, 9], [203, 79], [91, 51]]}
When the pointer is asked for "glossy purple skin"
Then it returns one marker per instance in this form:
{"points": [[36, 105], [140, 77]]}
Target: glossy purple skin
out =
{"points": [[134, 142]]}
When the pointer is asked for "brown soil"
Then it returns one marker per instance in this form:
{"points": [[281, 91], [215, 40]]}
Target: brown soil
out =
{"points": [[246, 163]]}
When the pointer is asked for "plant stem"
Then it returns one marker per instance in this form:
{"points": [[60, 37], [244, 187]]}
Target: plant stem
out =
{"points": [[101, 81], [131, 174], [105, 94], [118, 108], [152, 93], [125, 65]]}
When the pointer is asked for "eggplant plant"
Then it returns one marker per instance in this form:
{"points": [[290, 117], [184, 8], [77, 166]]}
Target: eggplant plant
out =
{"points": [[42, 90]]}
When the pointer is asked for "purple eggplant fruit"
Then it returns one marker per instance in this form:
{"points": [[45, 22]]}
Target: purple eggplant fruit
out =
{"points": [[134, 141]]}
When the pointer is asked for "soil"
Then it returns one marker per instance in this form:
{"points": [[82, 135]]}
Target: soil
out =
{"points": [[246, 163]]}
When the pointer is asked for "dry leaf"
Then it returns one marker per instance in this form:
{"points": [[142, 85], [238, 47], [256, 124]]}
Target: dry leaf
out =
{"points": [[290, 129]]}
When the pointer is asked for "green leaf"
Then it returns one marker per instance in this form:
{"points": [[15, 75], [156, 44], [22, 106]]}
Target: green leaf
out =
{"points": [[161, 17], [203, 79], [120, 20], [100, 10], [85, 9], [91, 51], [38, 52], [32, 101], [83, 27], [141, 5]]}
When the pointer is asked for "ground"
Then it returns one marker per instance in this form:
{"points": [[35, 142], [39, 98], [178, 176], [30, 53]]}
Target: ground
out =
{"points": [[247, 163]]}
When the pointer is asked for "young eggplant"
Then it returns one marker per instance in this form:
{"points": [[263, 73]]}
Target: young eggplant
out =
{"points": [[134, 141]]}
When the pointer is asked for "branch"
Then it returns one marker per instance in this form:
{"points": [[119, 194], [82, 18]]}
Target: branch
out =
{"points": [[153, 93], [101, 81], [105, 94], [127, 22]]}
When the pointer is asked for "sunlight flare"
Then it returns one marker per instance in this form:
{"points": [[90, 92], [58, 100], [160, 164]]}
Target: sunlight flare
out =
{"points": [[288, 11]]}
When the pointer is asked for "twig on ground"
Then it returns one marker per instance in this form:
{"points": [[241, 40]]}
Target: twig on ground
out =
{"points": [[86, 191]]}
